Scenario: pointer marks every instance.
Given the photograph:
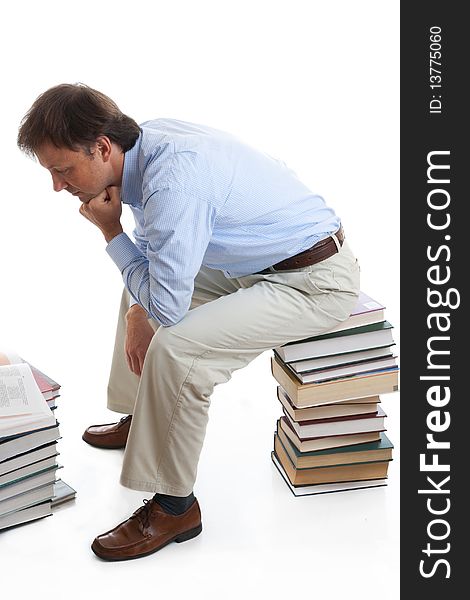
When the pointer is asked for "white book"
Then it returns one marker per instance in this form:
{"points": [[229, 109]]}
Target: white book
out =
{"points": [[28, 498], [27, 470], [37, 511], [337, 360], [348, 370], [10, 490], [25, 442], [63, 492], [366, 312], [378, 335], [28, 458]]}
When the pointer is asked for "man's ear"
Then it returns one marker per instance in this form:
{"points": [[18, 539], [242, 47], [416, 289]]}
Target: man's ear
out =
{"points": [[104, 147]]}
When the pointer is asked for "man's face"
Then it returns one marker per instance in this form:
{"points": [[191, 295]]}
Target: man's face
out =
{"points": [[79, 173]]}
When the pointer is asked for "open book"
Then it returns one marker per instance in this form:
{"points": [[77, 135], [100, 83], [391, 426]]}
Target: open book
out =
{"points": [[49, 387], [22, 405]]}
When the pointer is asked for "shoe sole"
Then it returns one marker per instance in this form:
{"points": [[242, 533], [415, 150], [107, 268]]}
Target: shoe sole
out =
{"points": [[182, 537]]}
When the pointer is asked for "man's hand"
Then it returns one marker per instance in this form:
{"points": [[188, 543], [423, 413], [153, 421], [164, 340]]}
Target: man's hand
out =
{"points": [[139, 334], [104, 211]]}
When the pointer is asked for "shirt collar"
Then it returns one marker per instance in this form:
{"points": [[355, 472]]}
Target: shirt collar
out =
{"points": [[131, 186]]}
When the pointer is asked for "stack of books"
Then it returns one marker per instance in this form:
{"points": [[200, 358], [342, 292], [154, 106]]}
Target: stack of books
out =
{"points": [[28, 443], [331, 435]]}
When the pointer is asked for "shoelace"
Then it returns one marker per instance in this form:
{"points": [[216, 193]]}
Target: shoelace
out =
{"points": [[123, 420], [143, 513]]}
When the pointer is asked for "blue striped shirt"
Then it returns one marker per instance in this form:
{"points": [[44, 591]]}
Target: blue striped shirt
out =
{"points": [[200, 196]]}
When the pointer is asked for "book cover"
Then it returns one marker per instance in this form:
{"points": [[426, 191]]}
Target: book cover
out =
{"points": [[27, 458], [48, 386], [25, 515], [372, 451], [342, 371], [323, 443], [329, 474], [367, 337], [16, 488], [63, 492], [24, 442], [338, 360], [316, 394], [27, 470], [366, 311], [339, 425], [338, 409], [326, 488], [40, 493], [23, 407]]}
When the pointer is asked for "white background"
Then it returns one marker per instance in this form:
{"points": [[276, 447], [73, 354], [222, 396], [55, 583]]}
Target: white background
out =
{"points": [[311, 82]]}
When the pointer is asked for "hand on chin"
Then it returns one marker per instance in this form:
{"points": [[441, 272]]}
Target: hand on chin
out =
{"points": [[85, 198]]}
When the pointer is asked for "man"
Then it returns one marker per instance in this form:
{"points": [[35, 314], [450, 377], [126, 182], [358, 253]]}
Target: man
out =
{"points": [[232, 255]]}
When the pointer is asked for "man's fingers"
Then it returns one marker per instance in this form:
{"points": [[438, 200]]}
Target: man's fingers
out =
{"points": [[114, 193], [134, 364], [100, 199], [141, 364], [129, 362], [83, 211]]}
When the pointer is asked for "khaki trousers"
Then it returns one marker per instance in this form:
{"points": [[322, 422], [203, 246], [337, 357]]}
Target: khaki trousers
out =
{"points": [[230, 322]]}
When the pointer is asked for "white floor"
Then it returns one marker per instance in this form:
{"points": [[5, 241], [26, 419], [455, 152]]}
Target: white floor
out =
{"points": [[257, 538]]}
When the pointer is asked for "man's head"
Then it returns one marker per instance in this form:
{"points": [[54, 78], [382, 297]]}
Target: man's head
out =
{"points": [[79, 135]]}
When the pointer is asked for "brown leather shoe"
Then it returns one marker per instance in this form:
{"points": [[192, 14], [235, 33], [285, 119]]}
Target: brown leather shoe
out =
{"points": [[109, 435], [147, 530]]}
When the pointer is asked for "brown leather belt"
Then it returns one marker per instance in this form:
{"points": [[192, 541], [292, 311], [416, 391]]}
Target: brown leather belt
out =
{"points": [[320, 251]]}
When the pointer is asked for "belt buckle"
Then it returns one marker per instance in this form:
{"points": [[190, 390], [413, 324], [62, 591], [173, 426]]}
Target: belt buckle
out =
{"points": [[334, 237]]}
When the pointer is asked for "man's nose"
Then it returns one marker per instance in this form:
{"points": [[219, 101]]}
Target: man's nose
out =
{"points": [[58, 182]]}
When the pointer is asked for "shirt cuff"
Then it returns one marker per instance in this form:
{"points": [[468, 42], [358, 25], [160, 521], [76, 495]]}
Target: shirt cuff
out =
{"points": [[123, 251]]}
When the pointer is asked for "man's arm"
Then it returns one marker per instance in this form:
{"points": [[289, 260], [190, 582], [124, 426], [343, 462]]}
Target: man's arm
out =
{"points": [[178, 227], [104, 211]]}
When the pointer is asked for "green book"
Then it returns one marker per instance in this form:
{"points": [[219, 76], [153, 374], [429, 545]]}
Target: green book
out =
{"points": [[380, 450], [382, 325], [366, 337], [328, 473]]}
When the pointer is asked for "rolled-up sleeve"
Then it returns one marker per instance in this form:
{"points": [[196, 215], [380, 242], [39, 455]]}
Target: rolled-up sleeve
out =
{"points": [[178, 227]]}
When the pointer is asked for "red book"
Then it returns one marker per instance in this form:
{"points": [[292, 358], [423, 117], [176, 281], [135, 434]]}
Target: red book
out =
{"points": [[339, 425], [48, 387]]}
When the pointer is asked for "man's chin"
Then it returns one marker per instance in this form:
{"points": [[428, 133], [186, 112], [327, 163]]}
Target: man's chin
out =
{"points": [[85, 198], [81, 196]]}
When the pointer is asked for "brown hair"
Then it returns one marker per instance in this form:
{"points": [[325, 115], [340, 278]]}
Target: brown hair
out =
{"points": [[73, 116]]}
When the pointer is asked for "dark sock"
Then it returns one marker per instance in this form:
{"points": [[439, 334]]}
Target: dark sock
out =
{"points": [[174, 505]]}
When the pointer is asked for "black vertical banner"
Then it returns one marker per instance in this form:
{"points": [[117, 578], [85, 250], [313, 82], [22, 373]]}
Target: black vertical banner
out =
{"points": [[435, 259]]}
